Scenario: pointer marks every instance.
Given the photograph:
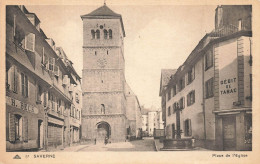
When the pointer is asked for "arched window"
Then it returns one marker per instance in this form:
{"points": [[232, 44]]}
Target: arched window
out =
{"points": [[110, 33], [98, 34], [92, 34], [103, 109], [105, 34]]}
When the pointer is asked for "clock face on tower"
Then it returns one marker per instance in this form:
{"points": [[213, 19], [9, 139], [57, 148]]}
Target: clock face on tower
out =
{"points": [[101, 62]]}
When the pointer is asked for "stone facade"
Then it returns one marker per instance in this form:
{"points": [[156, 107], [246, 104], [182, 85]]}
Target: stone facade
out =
{"points": [[212, 90], [108, 111]]}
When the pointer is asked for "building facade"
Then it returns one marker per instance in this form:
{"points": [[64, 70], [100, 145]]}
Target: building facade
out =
{"points": [[105, 103], [151, 119], [210, 96], [38, 96]]}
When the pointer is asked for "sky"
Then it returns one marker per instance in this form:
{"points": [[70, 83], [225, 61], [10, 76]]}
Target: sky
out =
{"points": [[157, 37]]}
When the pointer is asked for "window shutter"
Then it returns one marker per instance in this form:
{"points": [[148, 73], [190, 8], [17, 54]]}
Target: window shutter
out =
{"points": [[193, 96], [30, 42], [43, 55], [183, 102], [189, 124], [184, 128], [26, 86], [11, 128], [193, 73], [14, 25], [11, 75], [188, 99], [25, 129], [187, 78]]}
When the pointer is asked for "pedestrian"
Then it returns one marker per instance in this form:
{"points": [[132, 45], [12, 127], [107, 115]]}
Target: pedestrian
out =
{"points": [[106, 140], [95, 141]]}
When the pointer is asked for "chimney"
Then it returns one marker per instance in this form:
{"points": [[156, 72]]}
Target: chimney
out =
{"points": [[218, 17]]}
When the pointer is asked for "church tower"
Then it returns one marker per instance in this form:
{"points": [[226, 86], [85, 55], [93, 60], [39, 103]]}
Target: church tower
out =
{"points": [[103, 76]]}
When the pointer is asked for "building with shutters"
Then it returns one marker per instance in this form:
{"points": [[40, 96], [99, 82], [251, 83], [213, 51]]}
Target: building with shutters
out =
{"points": [[151, 119], [108, 108], [43, 93], [209, 97]]}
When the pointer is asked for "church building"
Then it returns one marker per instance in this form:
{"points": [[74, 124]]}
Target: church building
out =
{"points": [[104, 112]]}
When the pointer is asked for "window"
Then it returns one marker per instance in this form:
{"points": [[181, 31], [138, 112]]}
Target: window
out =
{"points": [[12, 78], [45, 99], [169, 94], [248, 129], [30, 42], [181, 83], [174, 107], [182, 103], [77, 97], [208, 59], [187, 127], [105, 34], [18, 127], [191, 75], [92, 34], [39, 93], [110, 33], [209, 88], [51, 64], [24, 80], [97, 34], [56, 71], [191, 98], [19, 35], [174, 90], [103, 109], [169, 111]]}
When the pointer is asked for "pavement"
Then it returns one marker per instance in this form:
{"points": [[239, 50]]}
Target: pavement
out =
{"points": [[136, 145], [159, 145], [146, 144]]}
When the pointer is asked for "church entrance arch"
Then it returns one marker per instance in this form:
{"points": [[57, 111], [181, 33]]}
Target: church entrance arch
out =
{"points": [[103, 130]]}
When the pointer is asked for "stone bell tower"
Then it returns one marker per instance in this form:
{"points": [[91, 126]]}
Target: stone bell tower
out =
{"points": [[103, 76]]}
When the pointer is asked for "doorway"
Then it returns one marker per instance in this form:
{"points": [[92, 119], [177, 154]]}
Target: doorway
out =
{"points": [[229, 133], [103, 130], [40, 134]]}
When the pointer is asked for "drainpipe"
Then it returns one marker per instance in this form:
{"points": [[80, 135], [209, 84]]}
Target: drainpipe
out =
{"points": [[203, 99]]}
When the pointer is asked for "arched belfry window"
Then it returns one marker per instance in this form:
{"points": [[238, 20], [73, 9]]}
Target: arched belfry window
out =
{"points": [[103, 109], [105, 34], [98, 34], [92, 34], [110, 33]]}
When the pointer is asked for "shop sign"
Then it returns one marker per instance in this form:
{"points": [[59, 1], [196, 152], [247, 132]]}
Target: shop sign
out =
{"points": [[21, 105], [227, 86]]}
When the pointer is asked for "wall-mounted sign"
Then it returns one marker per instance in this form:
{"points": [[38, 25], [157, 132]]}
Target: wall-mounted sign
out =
{"points": [[228, 86], [21, 105]]}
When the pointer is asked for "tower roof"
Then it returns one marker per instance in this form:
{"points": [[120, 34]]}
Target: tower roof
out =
{"points": [[104, 12]]}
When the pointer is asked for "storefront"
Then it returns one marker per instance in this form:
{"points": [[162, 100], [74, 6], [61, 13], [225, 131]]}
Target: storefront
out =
{"points": [[234, 130], [55, 132]]}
